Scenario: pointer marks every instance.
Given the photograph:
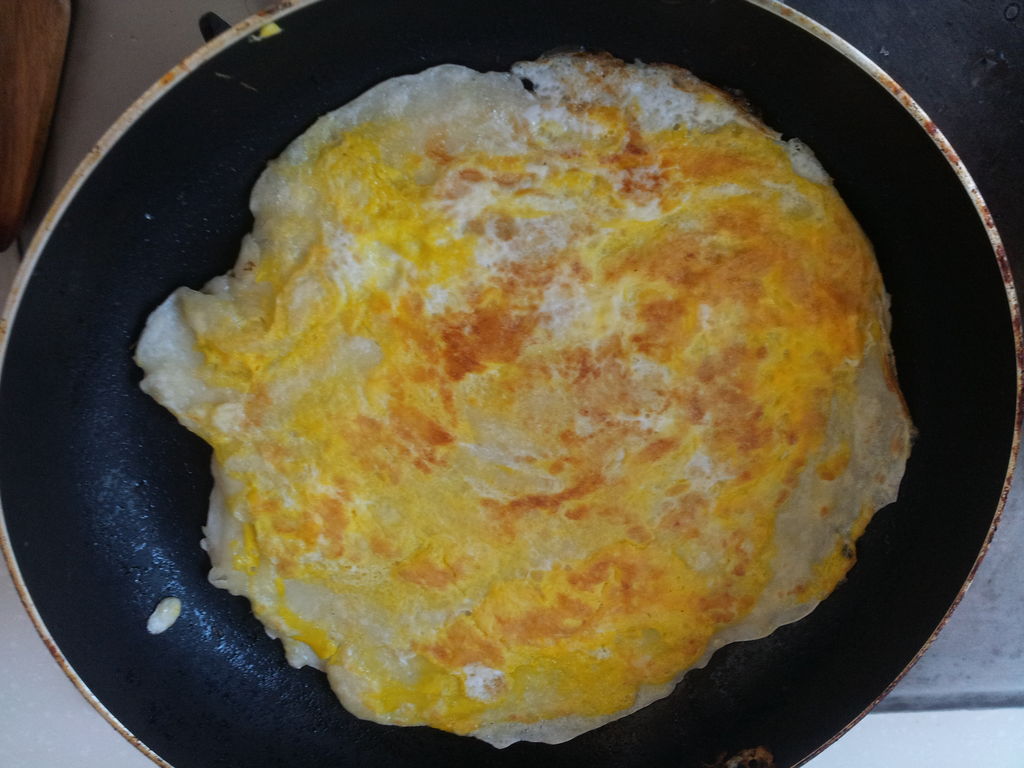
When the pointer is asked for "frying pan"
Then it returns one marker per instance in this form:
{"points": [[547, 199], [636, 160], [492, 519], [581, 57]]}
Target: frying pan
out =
{"points": [[104, 493]]}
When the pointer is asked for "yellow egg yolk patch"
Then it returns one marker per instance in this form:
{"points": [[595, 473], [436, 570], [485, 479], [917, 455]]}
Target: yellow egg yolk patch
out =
{"points": [[508, 433]]}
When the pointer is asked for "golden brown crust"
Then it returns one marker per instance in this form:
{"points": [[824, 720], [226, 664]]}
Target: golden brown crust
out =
{"points": [[523, 421]]}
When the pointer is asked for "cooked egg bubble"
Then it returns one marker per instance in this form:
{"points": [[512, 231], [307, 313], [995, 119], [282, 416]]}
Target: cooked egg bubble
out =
{"points": [[163, 616]]}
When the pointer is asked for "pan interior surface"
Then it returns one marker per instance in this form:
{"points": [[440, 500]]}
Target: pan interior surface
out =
{"points": [[104, 494]]}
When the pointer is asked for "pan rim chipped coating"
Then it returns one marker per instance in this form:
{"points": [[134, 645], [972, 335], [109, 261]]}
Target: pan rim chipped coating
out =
{"points": [[252, 24]]}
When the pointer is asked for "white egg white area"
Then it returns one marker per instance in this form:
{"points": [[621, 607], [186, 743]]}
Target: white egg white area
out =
{"points": [[493, 113]]}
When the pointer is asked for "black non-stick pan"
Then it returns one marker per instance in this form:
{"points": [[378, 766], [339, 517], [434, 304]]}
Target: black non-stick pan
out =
{"points": [[104, 494]]}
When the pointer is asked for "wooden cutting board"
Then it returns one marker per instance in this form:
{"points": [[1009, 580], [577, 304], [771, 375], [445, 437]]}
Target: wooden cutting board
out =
{"points": [[33, 38]]}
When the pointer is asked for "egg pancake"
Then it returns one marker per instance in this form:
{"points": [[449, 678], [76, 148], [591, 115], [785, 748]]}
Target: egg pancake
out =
{"points": [[530, 390]]}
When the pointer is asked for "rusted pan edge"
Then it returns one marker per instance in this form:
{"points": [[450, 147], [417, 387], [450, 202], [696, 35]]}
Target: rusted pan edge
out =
{"points": [[998, 249], [251, 25], [157, 91]]}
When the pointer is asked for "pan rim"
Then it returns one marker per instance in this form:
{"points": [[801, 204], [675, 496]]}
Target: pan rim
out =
{"points": [[943, 144], [252, 24]]}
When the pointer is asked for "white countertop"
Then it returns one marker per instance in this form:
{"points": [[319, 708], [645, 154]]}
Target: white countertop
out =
{"points": [[117, 50]]}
